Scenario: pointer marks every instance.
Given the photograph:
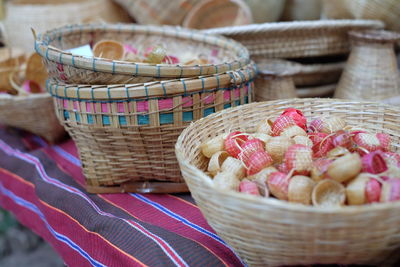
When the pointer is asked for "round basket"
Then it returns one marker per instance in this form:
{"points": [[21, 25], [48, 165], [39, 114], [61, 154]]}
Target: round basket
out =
{"points": [[126, 133], [306, 74], [270, 232], [218, 13], [22, 15], [68, 68], [157, 12], [300, 38], [387, 11], [33, 113]]}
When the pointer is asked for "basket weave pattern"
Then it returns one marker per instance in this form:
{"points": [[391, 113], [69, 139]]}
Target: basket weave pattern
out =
{"points": [[127, 133], [269, 232], [69, 68]]}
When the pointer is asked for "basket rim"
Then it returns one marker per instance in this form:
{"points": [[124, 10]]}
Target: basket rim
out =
{"points": [[304, 26], [151, 89], [44, 48], [271, 202]]}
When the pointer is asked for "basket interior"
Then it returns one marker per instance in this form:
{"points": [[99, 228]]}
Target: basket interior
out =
{"points": [[184, 47], [369, 116]]}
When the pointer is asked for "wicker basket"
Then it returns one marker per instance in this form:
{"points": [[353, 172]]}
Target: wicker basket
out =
{"points": [[270, 232], [33, 113], [265, 10], [157, 12], [275, 81], [68, 68], [387, 11], [296, 39], [302, 10], [22, 15], [371, 72], [307, 74], [10, 61], [218, 13], [316, 91], [126, 133]]}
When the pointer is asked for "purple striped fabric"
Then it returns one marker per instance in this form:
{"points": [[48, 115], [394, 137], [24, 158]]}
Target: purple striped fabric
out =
{"points": [[43, 186]]}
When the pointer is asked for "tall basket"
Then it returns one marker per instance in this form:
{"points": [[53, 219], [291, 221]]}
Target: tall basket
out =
{"points": [[371, 71]]}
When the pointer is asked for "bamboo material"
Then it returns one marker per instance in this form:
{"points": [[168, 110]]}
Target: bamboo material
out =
{"points": [[157, 12], [10, 61], [22, 15], [270, 232], [218, 13], [275, 81], [300, 38], [371, 71], [126, 133], [68, 68]]}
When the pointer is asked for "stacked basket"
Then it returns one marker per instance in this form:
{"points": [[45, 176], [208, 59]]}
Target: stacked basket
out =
{"points": [[126, 131], [317, 48]]}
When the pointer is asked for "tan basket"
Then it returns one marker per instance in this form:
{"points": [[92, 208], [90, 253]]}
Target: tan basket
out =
{"points": [[307, 74], [157, 11], [69, 68], [275, 81], [126, 133], [371, 72], [10, 61], [316, 91], [218, 13], [270, 232], [387, 11], [22, 15], [266, 10], [33, 113], [296, 39], [302, 10]]}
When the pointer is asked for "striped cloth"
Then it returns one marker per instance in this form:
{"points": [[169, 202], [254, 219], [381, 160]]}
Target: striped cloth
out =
{"points": [[43, 186]]}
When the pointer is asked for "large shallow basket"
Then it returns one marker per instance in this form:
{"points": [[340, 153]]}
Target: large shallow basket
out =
{"points": [[296, 39], [22, 15], [69, 68], [270, 232], [126, 133], [33, 113]]}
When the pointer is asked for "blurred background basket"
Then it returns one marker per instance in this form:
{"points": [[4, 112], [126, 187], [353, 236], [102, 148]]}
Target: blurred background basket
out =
{"points": [[300, 38], [218, 13], [42, 15], [68, 68], [270, 232], [126, 133], [157, 11], [266, 10]]}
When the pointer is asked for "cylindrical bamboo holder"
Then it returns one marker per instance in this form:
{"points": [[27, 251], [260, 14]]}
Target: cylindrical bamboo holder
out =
{"points": [[371, 72]]}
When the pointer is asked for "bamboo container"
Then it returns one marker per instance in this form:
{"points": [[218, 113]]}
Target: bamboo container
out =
{"points": [[371, 71]]}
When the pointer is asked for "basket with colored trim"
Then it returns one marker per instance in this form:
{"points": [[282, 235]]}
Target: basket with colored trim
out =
{"points": [[126, 133], [225, 54], [270, 232], [300, 38]]}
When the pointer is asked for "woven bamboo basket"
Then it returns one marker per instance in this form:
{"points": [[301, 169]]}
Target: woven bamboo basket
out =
{"points": [[387, 11], [157, 12], [307, 74], [275, 81], [33, 113], [266, 10], [126, 133], [10, 60], [302, 10], [22, 15], [316, 91], [218, 13], [371, 72], [68, 68], [270, 232], [300, 38]]}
